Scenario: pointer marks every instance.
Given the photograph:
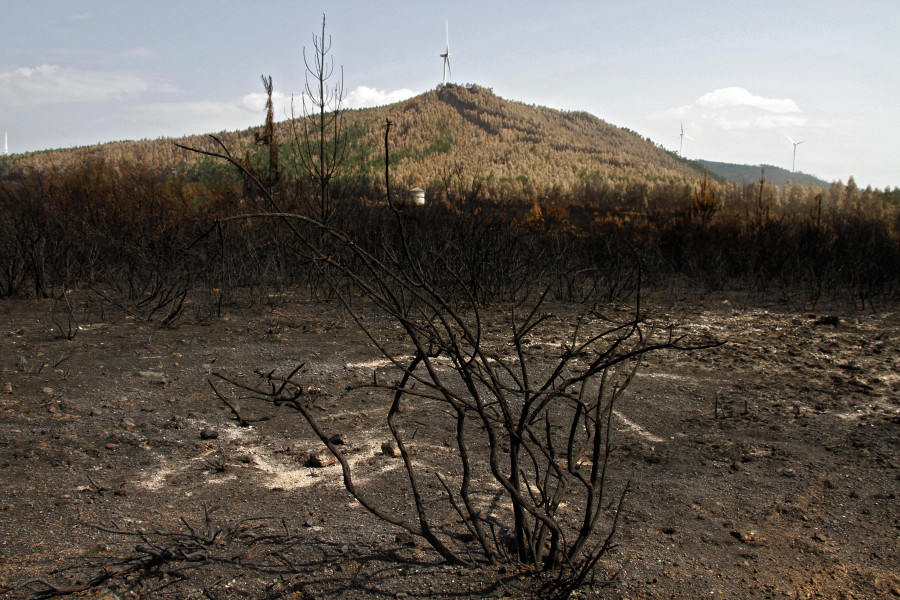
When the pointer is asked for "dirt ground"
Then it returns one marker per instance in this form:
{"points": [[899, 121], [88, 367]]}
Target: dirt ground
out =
{"points": [[767, 467]]}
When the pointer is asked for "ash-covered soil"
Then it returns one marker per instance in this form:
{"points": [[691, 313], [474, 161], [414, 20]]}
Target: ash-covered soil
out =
{"points": [[767, 467]]}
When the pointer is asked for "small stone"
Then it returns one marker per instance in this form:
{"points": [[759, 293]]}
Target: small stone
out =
{"points": [[7, 388], [47, 390], [208, 433], [128, 424], [154, 376], [320, 459], [745, 537], [391, 449], [338, 439], [405, 539]]}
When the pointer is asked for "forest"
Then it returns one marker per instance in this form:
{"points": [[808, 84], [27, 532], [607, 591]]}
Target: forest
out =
{"points": [[562, 199]]}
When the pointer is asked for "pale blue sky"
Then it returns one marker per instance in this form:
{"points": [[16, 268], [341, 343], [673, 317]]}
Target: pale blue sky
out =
{"points": [[741, 76]]}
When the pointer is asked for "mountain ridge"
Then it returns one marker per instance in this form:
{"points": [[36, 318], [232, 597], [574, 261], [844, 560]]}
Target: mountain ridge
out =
{"points": [[455, 133], [743, 174]]}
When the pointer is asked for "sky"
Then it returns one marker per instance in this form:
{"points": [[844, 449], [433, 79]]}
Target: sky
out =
{"points": [[743, 78]]}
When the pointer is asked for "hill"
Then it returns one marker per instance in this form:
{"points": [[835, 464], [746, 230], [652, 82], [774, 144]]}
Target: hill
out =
{"points": [[472, 131], [441, 138], [742, 174]]}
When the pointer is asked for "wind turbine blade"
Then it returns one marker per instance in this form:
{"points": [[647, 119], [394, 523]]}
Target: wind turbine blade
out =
{"points": [[690, 138], [789, 138]]}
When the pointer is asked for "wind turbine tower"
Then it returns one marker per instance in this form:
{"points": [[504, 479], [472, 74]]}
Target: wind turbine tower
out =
{"points": [[794, 162], [681, 143], [446, 55]]}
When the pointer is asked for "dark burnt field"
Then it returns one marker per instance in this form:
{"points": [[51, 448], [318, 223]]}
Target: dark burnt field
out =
{"points": [[766, 467]]}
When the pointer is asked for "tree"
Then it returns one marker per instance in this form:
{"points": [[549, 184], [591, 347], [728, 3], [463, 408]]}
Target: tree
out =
{"points": [[321, 137], [271, 175]]}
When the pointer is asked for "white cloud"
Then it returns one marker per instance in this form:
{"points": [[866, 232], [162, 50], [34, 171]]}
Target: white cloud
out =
{"points": [[735, 108], [46, 84], [256, 103], [365, 97], [729, 97]]}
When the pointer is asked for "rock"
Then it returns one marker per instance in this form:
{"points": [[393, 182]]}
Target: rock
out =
{"points": [[47, 390], [338, 439], [391, 449], [208, 433], [744, 536], [320, 459], [405, 539], [154, 376], [7, 388]]}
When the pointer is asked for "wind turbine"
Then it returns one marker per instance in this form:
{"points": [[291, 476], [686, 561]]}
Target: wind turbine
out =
{"points": [[794, 163], [446, 55], [681, 143]]}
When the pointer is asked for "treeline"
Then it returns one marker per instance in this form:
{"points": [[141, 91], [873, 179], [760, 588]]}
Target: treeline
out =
{"points": [[153, 241]]}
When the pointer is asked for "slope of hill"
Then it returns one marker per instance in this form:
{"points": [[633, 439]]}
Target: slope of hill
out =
{"points": [[453, 133], [474, 132], [742, 174]]}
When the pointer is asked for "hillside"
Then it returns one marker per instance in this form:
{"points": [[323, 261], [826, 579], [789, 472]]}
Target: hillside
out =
{"points": [[451, 134], [742, 174], [472, 131]]}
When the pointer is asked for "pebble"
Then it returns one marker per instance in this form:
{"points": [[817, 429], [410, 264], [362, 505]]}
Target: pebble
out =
{"points": [[320, 459], [391, 449], [746, 537], [154, 376]]}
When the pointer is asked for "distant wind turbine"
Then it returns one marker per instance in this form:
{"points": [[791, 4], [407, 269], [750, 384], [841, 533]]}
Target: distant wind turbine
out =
{"points": [[5, 144], [794, 163], [681, 143], [446, 55]]}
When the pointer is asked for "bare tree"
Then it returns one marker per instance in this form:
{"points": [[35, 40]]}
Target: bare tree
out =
{"points": [[320, 136]]}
